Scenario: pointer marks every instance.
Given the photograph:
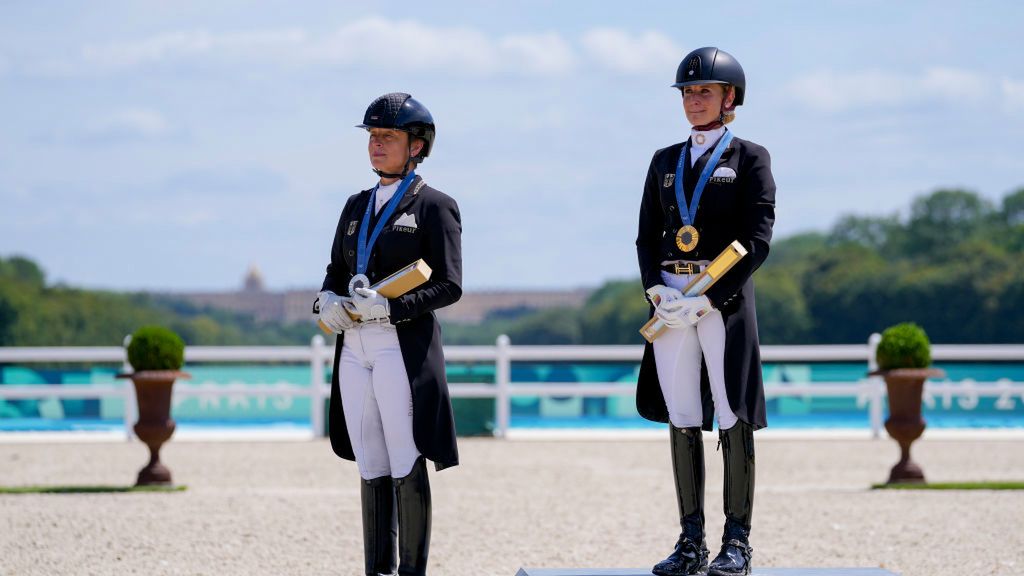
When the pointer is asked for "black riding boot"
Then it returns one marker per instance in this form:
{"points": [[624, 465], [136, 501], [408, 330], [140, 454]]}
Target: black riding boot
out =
{"points": [[413, 493], [738, 454], [380, 525], [690, 556]]}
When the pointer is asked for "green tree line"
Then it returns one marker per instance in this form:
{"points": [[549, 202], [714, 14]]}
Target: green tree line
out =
{"points": [[33, 313], [954, 264]]}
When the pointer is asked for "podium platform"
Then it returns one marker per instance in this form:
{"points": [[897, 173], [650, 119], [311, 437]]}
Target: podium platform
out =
{"points": [[757, 572]]}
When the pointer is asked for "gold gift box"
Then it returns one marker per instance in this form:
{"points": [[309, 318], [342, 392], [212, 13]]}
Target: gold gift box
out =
{"points": [[732, 254], [409, 278], [412, 276]]}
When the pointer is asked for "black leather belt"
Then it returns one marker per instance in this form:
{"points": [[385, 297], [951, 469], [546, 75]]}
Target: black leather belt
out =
{"points": [[684, 267]]}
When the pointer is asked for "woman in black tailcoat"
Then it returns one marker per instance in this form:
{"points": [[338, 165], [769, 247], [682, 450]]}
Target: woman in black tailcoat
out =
{"points": [[700, 195], [390, 410]]}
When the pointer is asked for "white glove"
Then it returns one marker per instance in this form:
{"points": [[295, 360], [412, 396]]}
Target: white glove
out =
{"points": [[369, 305], [696, 308], [672, 313], [333, 314], [661, 294]]}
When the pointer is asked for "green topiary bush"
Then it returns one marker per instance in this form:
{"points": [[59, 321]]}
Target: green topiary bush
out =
{"points": [[156, 348], [904, 346]]}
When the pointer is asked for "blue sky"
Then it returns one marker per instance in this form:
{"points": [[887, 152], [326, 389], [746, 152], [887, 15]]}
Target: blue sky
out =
{"points": [[169, 145]]}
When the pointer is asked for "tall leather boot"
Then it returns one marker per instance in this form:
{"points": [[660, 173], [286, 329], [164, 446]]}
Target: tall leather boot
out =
{"points": [[413, 493], [738, 454], [690, 556], [380, 526]]}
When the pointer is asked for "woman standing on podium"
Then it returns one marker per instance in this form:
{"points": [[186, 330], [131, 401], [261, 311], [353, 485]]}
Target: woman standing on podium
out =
{"points": [[699, 196], [390, 408]]}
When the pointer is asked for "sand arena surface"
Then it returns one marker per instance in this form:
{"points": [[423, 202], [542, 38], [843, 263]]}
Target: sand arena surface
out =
{"points": [[293, 508]]}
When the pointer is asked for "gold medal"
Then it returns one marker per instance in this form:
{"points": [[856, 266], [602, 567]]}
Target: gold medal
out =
{"points": [[687, 238]]}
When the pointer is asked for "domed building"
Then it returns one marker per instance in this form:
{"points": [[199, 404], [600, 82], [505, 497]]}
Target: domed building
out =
{"points": [[253, 280], [254, 299], [295, 305]]}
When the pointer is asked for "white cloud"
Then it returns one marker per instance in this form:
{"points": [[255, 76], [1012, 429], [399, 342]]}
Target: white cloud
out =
{"points": [[954, 84], [402, 45], [127, 124], [1013, 93], [831, 91], [173, 46], [541, 54], [618, 51], [406, 45]]}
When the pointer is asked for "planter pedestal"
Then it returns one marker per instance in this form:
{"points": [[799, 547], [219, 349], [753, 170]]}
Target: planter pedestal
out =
{"points": [[905, 423], [154, 436]]}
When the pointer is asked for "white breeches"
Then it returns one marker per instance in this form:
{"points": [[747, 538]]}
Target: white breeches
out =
{"points": [[677, 357], [377, 402]]}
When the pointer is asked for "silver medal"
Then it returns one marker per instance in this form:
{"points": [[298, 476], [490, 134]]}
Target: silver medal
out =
{"points": [[357, 281]]}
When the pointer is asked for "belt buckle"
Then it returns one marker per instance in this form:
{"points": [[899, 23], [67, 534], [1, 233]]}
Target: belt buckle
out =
{"points": [[684, 268]]}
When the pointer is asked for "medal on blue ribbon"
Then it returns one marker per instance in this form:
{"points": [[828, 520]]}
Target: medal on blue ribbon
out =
{"points": [[687, 236], [365, 244]]}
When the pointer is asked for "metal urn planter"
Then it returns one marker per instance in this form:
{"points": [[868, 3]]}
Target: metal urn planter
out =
{"points": [[153, 393]]}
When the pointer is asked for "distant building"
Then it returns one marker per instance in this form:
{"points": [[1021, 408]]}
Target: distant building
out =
{"points": [[297, 305], [475, 307]]}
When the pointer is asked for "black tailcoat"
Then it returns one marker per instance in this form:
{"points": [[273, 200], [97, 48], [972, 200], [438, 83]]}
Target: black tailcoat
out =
{"points": [[738, 206], [437, 239]]}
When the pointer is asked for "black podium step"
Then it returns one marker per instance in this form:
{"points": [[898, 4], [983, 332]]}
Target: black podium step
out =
{"points": [[757, 572]]}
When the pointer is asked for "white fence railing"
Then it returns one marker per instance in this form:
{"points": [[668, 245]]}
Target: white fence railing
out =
{"points": [[869, 391]]}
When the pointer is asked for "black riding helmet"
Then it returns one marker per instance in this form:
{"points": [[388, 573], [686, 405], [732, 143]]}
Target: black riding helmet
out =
{"points": [[711, 66], [400, 111]]}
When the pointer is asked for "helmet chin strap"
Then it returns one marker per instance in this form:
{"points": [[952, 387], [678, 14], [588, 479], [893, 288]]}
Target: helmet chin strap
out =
{"points": [[710, 125]]}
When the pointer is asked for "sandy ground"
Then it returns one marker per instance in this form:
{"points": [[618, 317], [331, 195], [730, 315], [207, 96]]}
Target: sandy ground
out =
{"points": [[293, 508]]}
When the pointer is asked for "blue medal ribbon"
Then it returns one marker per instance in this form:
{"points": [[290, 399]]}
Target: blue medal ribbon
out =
{"points": [[364, 246], [689, 212]]}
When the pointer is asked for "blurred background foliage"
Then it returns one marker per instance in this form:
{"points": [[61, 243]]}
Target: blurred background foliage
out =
{"points": [[954, 264]]}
